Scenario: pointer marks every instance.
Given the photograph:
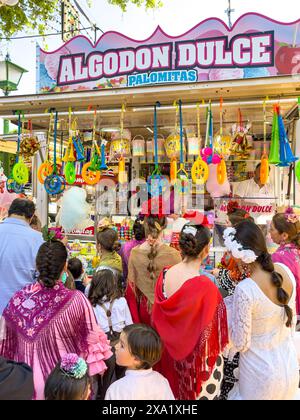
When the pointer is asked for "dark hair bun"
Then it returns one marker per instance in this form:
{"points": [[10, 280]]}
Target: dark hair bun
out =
{"points": [[191, 244], [188, 245]]}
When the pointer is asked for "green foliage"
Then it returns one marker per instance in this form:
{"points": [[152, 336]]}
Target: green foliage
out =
{"points": [[149, 4], [27, 15], [35, 14]]}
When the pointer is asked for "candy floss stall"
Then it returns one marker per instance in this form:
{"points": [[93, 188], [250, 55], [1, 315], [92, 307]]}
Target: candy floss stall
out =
{"points": [[199, 110]]}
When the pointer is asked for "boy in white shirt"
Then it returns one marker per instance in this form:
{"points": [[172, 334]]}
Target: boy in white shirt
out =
{"points": [[139, 349]]}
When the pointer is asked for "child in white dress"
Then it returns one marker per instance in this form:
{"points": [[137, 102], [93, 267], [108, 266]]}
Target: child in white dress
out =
{"points": [[111, 309], [139, 349]]}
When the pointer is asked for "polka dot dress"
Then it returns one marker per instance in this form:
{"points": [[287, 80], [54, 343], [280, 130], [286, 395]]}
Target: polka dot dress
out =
{"points": [[212, 387]]}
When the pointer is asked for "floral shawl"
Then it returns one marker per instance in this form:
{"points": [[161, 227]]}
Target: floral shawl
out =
{"points": [[42, 324]]}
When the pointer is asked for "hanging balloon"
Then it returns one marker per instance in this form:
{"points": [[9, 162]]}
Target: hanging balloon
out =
{"points": [[221, 172], [20, 173], [89, 176], [45, 169], [70, 173], [54, 184], [222, 144], [200, 171]]}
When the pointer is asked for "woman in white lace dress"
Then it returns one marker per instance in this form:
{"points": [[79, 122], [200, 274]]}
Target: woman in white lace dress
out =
{"points": [[261, 316]]}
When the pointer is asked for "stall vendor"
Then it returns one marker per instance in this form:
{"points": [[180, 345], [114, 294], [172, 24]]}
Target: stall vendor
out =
{"points": [[253, 189]]}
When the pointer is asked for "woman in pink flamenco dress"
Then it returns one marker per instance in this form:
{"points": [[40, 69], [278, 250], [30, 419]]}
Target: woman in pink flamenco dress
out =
{"points": [[45, 320]]}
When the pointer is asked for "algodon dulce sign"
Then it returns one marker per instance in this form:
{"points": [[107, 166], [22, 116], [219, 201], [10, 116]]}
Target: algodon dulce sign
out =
{"points": [[246, 50]]}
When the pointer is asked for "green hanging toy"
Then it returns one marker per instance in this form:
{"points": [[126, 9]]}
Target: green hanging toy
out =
{"points": [[20, 171]]}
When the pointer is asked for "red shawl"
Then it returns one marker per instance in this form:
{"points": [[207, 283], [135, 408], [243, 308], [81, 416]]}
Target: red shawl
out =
{"points": [[193, 326]]}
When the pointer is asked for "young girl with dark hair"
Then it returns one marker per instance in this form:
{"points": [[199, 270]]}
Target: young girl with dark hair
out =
{"points": [[190, 316], [261, 319], [138, 350], [69, 380], [285, 231], [108, 246], [145, 264], [45, 320], [139, 239], [111, 309]]}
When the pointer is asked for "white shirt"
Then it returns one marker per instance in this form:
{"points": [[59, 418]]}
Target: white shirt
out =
{"points": [[120, 315], [250, 189], [140, 385]]}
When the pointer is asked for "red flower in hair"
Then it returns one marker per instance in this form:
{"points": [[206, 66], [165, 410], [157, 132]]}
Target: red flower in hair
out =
{"points": [[232, 206]]}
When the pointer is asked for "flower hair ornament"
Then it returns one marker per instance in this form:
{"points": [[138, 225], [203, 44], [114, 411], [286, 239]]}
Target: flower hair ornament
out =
{"points": [[291, 216], [73, 366], [237, 250], [53, 233], [190, 230], [232, 206]]}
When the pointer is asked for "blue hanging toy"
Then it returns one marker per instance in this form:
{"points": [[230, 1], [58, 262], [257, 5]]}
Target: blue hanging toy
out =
{"points": [[55, 184]]}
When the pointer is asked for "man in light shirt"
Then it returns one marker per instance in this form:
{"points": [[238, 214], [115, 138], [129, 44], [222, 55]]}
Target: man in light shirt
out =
{"points": [[253, 190], [19, 245]]}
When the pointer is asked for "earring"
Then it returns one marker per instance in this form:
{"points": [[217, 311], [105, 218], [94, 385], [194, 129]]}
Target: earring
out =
{"points": [[246, 270]]}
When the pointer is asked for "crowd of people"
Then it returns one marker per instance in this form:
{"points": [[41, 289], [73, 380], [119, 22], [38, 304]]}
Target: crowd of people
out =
{"points": [[151, 324]]}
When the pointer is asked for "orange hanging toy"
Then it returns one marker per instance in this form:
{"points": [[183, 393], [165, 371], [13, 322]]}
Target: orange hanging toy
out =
{"points": [[264, 168]]}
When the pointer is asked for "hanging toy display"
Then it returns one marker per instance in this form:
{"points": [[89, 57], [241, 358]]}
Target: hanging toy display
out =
{"points": [[69, 158], [46, 168], [207, 153], [91, 170], [182, 174], [274, 156], [79, 149], [103, 166], [280, 152], [286, 155], [20, 173], [173, 170], [138, 146], [157, 183], [221, 170], [222, 140], [264, 164], [29, 144], [212, 185], [240, 146], [297, 171], [194, 143], [172, 142], [122, 175], [55, 184], [120, 144], [200, 169], [122, 150]]}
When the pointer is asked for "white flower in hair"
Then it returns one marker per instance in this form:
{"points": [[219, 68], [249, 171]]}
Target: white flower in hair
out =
{"points": [[190, 230], [237, 250]]}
